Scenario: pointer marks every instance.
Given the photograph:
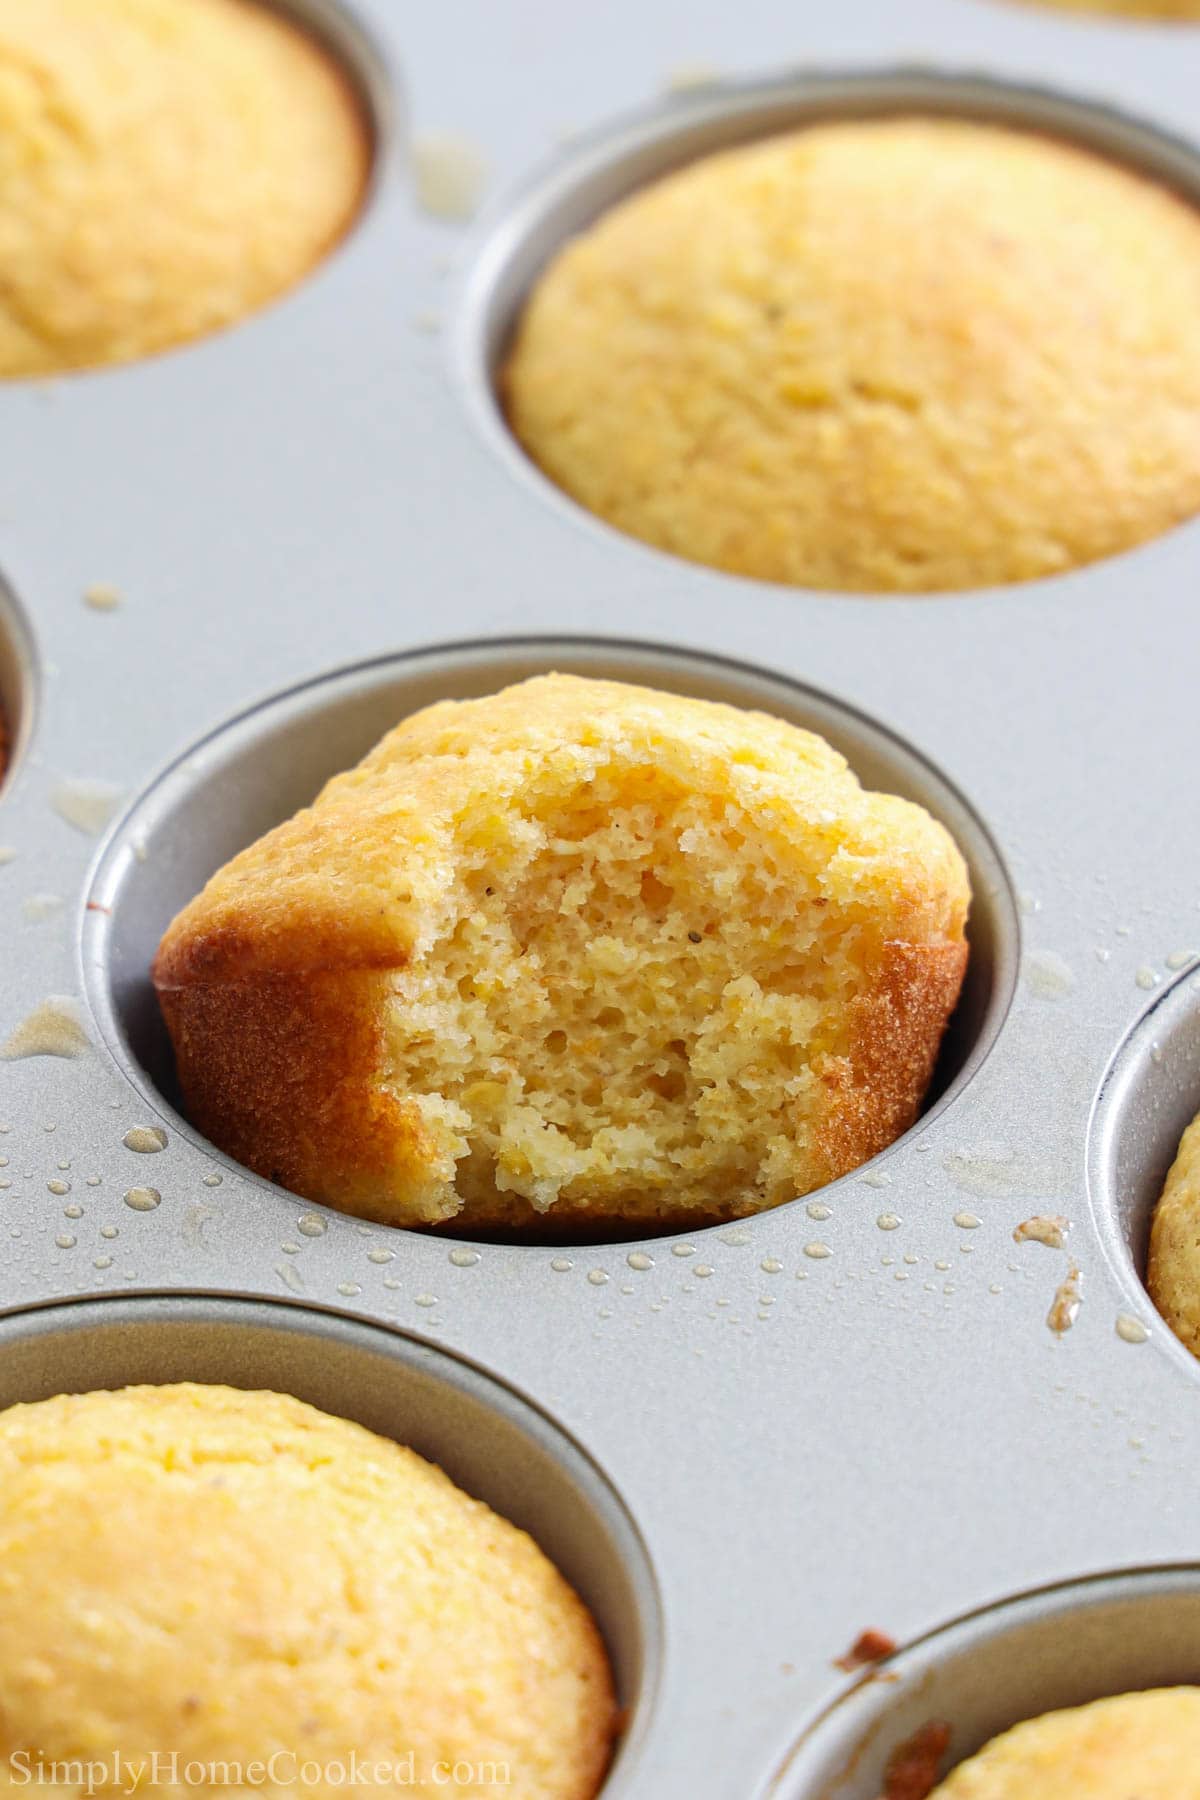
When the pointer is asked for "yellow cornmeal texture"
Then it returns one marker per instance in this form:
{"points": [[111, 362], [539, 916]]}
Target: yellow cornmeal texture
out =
{"points": [[1136, 1747], [578, 952], [1174, 1272], [894, 356], [235, 1576], [1130, 9], [166, 166]]}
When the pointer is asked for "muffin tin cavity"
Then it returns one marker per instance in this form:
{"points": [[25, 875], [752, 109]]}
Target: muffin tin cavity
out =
{"points": [[869, 403], [491, 1443], [1149, 1097], [1054, 1648], [18, 684], [263, 766]]}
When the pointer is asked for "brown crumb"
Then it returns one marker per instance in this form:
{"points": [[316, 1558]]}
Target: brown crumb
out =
{"points": [[869, 1646], [912, 1768], [1064, 1308], [1044, 1228]]}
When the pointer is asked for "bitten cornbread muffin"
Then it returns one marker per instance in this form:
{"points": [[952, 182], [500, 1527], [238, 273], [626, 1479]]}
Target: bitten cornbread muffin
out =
{"points": [[1173, 1276], [575, 955], [889, 356], [166, 166], [1136, 1747], [241, 1579]]}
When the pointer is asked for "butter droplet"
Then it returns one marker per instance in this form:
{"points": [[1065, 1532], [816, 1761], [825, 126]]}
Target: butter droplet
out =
{"points": [[145, 1140], [463, 1258], [637, 1259], [87, 805], [1048, 976], [52, 1029], [102, 596], [817, 1251], [449, 174], [142, 1199], [686, 77], [38, 907], [1131, 1330]]}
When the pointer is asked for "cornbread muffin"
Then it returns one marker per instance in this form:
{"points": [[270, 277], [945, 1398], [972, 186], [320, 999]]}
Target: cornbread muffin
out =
{"points": [[574, 956], [1136, 1747], [890, 356], [166, 166], [1131, 9], [238, 1577], [1173, 1276]]}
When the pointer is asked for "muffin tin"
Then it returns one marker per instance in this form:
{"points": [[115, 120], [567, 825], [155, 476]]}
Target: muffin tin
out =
{"points": [[747, 1445]]}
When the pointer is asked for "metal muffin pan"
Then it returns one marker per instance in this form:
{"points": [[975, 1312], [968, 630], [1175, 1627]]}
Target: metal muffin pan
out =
{"points": [[1061, 1646], [303, 506]]}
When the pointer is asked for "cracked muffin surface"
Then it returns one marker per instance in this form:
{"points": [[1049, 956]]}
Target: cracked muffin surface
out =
{"points": [[898, 355], [235, 1576]]}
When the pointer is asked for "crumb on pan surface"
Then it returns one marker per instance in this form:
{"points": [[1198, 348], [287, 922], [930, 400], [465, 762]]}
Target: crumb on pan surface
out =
{"points": [[1173, 1276], [885, 356], [236, 1575], [1143, 1746], [577, 952], [166, 166]]}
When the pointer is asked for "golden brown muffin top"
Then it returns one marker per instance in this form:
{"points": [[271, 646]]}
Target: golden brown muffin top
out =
{"points": [[166, 166], [1173, 1276], [1168, 11], [236, 1576], [895, 356], [1135, 1747]]}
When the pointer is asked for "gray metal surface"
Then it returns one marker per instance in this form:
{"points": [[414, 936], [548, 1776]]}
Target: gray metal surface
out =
{"points": [[889, 1435]]}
